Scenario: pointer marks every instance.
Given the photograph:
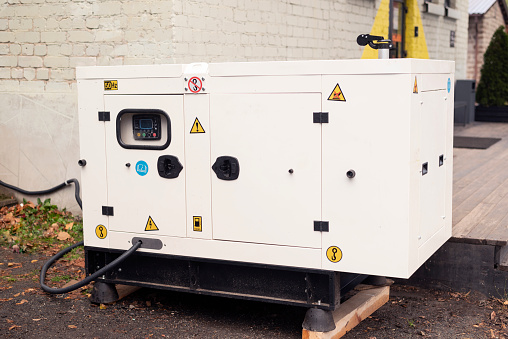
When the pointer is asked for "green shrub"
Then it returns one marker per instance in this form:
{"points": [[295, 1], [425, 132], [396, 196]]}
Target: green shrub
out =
{"points": [[493, 87]]}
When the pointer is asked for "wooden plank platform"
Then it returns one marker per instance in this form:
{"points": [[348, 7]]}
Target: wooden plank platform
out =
{"points": [[480, 187], [353, 311]]}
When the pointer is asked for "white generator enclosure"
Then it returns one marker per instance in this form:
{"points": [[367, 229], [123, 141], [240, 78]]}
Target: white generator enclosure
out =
{"points": [[341, 166]]}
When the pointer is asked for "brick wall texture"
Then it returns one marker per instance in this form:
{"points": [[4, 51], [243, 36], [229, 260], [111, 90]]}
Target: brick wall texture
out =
{"points": [[42, 42], [480, 31]]}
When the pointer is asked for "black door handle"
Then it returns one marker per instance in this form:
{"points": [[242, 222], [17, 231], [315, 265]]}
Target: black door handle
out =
{"points": [[168, 166], [226, 168]]}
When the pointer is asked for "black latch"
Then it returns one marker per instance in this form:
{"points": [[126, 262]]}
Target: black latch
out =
{"points": [[320, 117], [103, 116], [226, 168], [321, 226], [107, 210], [168, 166]]}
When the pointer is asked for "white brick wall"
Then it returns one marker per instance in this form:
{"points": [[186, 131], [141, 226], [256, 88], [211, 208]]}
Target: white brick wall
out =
{"points": [[42, 41], [437, 33]]}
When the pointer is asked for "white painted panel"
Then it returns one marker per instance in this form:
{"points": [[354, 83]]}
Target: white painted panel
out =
{"points": [[135, 198], [265, 84], [198, 164], [92, 148], [432, 145], [228, 250], [269, 134], [129, 71], [367, 133]]}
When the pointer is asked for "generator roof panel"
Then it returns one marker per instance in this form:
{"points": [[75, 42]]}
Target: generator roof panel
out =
{"points": [[130, 71], [271, 68], [366, 66]]}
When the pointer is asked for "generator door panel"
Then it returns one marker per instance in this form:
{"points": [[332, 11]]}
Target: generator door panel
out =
{"points": [[433, 150], [266, 168], [146, 164]]}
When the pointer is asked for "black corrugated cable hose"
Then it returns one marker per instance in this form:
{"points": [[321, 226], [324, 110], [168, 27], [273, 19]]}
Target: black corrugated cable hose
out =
{"points": [[60, 254]]}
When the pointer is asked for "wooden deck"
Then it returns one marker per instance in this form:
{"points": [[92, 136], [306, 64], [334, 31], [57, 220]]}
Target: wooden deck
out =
{"points": [[480, 187]]}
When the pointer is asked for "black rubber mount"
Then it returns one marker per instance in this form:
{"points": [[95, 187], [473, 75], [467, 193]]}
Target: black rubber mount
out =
{"points": [[104, 293], [375, 280], [318, 320]]}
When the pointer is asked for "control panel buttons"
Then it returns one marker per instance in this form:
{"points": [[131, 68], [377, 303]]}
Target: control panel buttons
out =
{"points": [[146, 126]]}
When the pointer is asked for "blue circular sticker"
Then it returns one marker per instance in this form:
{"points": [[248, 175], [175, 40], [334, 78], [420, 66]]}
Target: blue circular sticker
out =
{"points": [[449, 85], [141, 168]]}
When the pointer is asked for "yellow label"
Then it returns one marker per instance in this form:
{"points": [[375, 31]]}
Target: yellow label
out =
{"points": [[334, 254], [197, 224], [110, 85], [197, 127], [101, 232], [150, 225], [337, 94], [415, 87]]}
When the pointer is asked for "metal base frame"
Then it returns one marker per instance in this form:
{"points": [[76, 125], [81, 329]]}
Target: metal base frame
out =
{"points": [[276, 284]]}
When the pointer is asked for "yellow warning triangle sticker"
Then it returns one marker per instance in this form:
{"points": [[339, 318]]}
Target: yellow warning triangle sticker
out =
{"points": [[197, 127], [150, 225], [415, 87], [337, 94]]}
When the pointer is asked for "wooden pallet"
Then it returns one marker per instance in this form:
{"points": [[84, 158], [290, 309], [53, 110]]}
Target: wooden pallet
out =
{"points": [[353, 311]]}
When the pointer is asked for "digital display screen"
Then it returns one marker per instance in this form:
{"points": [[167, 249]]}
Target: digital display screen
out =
{"points": [[145, 123]]}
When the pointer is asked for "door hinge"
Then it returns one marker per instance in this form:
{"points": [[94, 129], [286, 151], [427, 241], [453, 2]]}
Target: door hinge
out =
{"points": [[320, 117], [321, 226], [103, 116], [107, 210]]}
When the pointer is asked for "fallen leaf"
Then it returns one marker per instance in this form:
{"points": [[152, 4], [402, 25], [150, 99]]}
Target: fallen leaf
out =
{"points": [[6, 299], [22, 302], [13, 327], [102, 307], [148, 303], [12, 264], [9, 321], [62, 236], [35, 260], [72, 326], [69, 226], [79, 262], [8, 217], [492, 315], [36, 319], [492, 335], [16, 295]]}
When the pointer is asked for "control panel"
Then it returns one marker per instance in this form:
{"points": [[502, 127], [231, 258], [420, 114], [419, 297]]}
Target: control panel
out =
{"points": [[146, 126]]}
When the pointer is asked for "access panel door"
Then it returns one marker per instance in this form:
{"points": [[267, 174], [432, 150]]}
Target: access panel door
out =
{"points": [[432, 153], [269, 141], [146, 183]]}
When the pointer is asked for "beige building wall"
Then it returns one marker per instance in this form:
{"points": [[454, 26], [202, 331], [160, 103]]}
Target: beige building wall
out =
{"points": [[481, 29], [42, 42]]}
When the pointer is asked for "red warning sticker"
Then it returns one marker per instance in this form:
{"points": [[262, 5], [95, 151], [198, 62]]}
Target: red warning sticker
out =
{"points": [[195, 84]]}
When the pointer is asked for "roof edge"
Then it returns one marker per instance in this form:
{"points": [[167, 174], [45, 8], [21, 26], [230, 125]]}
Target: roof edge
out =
{"points": [[504, 10]]}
